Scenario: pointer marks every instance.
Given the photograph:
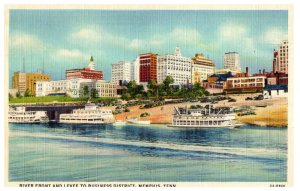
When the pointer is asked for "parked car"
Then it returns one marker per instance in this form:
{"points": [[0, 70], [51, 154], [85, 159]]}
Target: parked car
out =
{"points": [[249, 98], [231, 100], [259, 97]]}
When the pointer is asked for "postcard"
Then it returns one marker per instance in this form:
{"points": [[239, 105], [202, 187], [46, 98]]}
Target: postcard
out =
{"points": [[148, 95]]}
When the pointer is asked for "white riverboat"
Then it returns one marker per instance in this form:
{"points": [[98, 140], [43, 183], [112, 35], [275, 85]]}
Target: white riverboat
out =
{"points": [[120, 122], [91, 114], [135, 120], [205, 117], [20, 115]]}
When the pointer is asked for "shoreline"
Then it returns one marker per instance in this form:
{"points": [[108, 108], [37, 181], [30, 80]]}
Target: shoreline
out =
{"points": [[275, 114], [268, 112]]}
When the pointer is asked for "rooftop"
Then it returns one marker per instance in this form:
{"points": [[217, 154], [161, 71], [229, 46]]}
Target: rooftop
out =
{"points": [[276, 87]]}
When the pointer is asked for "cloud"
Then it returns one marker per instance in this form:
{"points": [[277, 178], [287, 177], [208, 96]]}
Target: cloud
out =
{"points": [[237, 37], [183, 37], [86, 34], [274, 36], [66, 53], [230, 31], [135, 44], [25, 41]]}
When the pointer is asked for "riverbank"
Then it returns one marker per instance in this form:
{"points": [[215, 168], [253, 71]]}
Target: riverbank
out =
{"points": [[275, 112]]}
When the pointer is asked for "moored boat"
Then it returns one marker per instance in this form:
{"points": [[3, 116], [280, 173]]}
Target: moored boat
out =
{"points": [[20, 115], [136, 121], [205, 117], [91, 114], [120, 122]]}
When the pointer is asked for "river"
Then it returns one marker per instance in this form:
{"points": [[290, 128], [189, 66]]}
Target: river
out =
{"points": [[43, 152]]}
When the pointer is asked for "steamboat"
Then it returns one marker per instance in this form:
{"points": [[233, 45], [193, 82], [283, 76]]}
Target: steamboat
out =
{"points": [[91, 114], [20, 115], [204, 117]]}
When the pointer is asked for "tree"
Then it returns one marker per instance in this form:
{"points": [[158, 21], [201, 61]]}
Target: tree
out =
{"points": [[138, 96], [18, 94], [27, 93], [152, 87], [125, 96], [10, 96], [132, 86], [168, 81], [152, 84], [133, 89], [94, 93], [199, 90], [86, 91]]}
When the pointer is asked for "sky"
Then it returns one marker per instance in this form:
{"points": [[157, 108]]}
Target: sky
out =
{"points": [[56, 40]]}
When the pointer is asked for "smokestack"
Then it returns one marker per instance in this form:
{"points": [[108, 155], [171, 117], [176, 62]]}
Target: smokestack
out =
{"points": [[247, 71], [259, 71], [264, 71]]}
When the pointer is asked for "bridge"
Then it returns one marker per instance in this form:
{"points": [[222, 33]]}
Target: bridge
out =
{"points": [[53, 111]]}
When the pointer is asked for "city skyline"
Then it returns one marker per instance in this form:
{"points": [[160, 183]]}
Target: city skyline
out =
{"points": [[55, 41]]}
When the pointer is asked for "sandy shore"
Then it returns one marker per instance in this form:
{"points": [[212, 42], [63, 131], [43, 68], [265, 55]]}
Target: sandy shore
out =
{"points": [[275, 114]]}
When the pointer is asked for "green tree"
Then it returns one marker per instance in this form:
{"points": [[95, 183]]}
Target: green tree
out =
{"points": [[125, 96], [168, 81], [10, 96], [18, 94], [161, 90], [152, 87], [167, 88], [133, 89], [138, 96], [132, 86], [140, 89], [86, 91], [94, 93], [27, 93]]}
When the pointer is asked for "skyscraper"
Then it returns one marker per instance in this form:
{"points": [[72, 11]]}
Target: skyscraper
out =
{"points": [[280, 61], [148, 63], [174, 65], [232, 61], [135, 70], [121, 71]]}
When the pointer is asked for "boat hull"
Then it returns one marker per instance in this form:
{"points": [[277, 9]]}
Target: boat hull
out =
{"points": [[86, 123], [139, 122], [30, 122], [213, 126]]}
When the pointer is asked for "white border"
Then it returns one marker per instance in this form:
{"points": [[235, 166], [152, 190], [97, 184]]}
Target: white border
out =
{"points": [[211, 2]]}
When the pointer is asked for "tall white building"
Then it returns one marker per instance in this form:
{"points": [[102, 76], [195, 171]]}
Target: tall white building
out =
{"points": [[232, 61], [135, 70], [120, 71], [282, 58], [174, 65]]}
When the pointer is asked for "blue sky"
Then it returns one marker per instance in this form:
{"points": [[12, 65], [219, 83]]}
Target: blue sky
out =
{"points": [[65, 39]]}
